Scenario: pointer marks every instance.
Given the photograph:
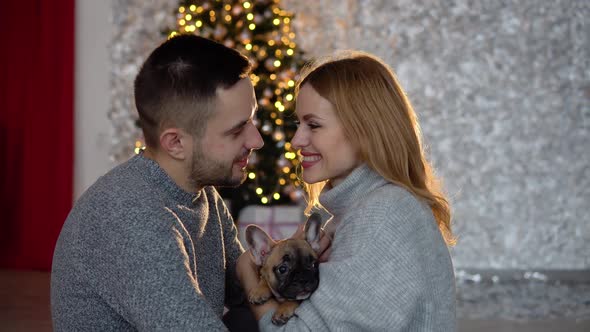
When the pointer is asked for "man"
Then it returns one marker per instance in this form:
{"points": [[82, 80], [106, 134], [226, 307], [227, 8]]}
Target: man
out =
{"points": [[151, 245]]}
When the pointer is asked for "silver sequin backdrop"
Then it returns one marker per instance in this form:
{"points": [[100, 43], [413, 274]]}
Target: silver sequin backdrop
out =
{"points": [[502, 89]]}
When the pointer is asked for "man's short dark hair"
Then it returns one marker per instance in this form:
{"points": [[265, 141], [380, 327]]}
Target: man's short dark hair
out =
{"points": [[177, 84]]}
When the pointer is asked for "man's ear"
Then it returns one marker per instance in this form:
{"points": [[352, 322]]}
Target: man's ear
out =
{"points": [[174, 141]]}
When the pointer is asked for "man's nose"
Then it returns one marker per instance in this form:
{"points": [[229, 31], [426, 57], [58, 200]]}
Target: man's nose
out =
{"points": [[255, 141]]}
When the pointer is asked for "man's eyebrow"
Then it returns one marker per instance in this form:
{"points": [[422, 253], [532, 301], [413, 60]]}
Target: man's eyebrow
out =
{"points": [[241, 125], [237, 127]]}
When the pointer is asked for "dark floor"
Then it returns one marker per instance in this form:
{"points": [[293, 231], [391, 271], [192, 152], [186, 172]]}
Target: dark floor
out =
{"points": [[24, 301], [24, 306]]}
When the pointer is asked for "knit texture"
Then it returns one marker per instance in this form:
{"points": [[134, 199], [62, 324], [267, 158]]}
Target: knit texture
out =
{"points": [[139, 253], [389, 270]]}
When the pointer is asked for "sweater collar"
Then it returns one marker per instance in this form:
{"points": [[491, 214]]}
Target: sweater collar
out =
{"points": [[359, 183], [157, 176]]}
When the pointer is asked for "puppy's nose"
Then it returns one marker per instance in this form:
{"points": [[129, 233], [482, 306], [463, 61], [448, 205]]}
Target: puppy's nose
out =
{"points": [[306, 277], [301, 277]]}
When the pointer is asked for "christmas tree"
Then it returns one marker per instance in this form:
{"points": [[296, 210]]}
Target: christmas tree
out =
{"points": [[261, 30]]}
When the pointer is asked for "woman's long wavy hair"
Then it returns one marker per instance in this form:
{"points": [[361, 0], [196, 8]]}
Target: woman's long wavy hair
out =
{"points": [[378, 118]]}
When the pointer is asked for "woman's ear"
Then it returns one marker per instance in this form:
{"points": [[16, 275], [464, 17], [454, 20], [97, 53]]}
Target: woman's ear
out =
{"points": [[175, 142]]}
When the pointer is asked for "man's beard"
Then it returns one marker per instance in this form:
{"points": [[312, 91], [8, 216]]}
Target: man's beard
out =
{"points": [[208, 172]]}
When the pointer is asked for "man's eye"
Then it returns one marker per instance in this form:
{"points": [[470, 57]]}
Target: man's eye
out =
{"points": [[297, 122]]}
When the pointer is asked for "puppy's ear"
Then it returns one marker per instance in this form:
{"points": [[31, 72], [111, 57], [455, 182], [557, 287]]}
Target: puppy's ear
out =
{"points": [[259, 242], [312, 230]]}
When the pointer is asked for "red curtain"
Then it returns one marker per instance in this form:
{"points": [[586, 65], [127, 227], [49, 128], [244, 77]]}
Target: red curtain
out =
{"points": [[36, 128]]}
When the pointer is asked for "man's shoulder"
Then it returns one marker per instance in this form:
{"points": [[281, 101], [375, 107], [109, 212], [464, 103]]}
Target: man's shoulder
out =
{"points": [[123, 186], [119, 181]]}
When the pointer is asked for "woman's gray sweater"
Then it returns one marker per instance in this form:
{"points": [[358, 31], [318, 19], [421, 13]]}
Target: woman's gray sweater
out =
{"points": [[389, 270]]}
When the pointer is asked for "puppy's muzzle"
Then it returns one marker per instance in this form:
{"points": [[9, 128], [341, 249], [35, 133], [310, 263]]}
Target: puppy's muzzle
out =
{"points": [[301, 285]]}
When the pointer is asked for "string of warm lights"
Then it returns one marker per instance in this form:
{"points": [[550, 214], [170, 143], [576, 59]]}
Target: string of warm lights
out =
{"points": [[261, 30]]}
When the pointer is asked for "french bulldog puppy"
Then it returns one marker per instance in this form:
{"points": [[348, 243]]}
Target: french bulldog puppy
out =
{"points": [[288, 268]]}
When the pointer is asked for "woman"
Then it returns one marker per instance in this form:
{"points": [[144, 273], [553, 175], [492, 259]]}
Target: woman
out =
{"points": [[389, 268]]}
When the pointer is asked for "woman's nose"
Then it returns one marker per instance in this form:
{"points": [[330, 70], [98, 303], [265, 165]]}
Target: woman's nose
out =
{"points": [[298, 140]]}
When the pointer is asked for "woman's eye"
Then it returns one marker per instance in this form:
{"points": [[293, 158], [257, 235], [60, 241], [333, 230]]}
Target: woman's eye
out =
{"points": [[312, 125], [297, 122]]}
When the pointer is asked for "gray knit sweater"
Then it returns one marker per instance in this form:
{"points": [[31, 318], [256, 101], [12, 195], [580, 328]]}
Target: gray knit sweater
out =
{"points": [[138, 253], [389, 269]]}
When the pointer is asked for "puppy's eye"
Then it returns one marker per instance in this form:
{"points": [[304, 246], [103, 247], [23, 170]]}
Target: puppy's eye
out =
{"points": [[283, 269], [313, 263]]}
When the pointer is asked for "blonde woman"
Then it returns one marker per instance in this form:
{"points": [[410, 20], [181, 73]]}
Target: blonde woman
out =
{"points": [[389, 267]]}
